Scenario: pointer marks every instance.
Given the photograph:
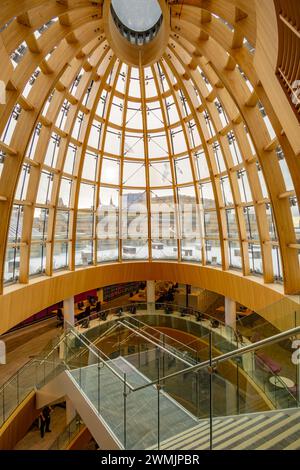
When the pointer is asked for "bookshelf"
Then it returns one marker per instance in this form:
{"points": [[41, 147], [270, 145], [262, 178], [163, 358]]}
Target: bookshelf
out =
{"points": [[117, 290]]}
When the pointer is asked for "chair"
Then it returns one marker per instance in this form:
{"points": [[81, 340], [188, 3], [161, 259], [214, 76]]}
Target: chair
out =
{"points": [[133, 310], [59, 317], [85, 323], [103, 315], [120, 312], [215, 323], [267, 364], [97, 308]]}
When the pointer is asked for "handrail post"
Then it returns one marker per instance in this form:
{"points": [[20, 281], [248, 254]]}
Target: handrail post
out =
{"points": [[3, 404], [210, 394], [158, 402], [99, 385], [125, 414], [18, 394], [238, 386]]}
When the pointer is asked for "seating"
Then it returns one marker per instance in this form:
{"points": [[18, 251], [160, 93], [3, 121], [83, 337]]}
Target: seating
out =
{"points": [[215, 323], [85, 323], [266, 363], [199, 317], [60, 318], [97, 308]]}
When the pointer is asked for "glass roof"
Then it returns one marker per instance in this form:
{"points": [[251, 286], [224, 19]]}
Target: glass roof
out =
{"points": [[137, 15], [124, 163]]}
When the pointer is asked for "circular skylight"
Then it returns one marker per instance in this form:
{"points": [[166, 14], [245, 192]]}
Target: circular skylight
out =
{"points": [[137, 20]]}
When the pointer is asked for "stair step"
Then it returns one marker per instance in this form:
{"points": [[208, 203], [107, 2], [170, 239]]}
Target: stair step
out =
{"points": [[282, 436], [190, 439], [224, 439], [254, 441]]}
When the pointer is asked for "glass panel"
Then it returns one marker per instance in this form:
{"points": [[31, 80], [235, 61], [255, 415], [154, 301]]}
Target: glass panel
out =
{"points": [[89, 166], [85, 225], [40, 224], [207, 196], [201, 164], [12, 265], [45, 188], [70, 159], [16, 224], [65, 193], [232, 228], [86, 196], [134, 146], [251, 223], [211, 224], [60, 256], [255, 258], [226, 191], [183, 170], [160, 173], [134, 174], [37, 262], [23, 183], [213, 252], [62, 225], [107, 250], [235, 258], [110, 171], [84, 253]]}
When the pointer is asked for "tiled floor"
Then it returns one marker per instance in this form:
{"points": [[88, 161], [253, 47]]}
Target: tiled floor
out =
{"points": [[25, 343]]}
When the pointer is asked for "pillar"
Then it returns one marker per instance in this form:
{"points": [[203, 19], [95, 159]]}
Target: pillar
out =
{"points": [[69, 315], [2, 352], [230, 313], [100, 295], [150, 296]]}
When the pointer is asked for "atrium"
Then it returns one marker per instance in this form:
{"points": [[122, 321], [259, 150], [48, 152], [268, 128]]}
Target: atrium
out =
{"points": [[150, 224]]}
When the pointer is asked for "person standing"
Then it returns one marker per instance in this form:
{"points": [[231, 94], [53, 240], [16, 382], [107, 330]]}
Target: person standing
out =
{"points": [[45, 420]]}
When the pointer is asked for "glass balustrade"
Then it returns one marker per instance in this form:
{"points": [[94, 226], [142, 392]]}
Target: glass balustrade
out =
{"points": [[148, 387], [68, 435]]}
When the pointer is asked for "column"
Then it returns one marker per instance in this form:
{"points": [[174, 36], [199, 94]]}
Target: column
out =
{"points": [[151, 296], [230, 313], [2, 352], [69, 316], [100, 295]]}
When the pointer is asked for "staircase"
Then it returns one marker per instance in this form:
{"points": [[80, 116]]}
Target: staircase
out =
{"points": [[124, 409], [99, 398], [259, 431]]}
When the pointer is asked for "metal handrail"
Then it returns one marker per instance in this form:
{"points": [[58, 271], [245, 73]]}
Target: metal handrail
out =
{"points": [[230, 354], [163, 305], [88, 344], [27, 364], [153, 342], [76, 420], [8, 381], [164, 334]]}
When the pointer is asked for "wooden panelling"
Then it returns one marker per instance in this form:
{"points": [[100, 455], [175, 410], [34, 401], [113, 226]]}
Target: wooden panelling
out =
{"points": [[15, 428], [26, 300]]}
